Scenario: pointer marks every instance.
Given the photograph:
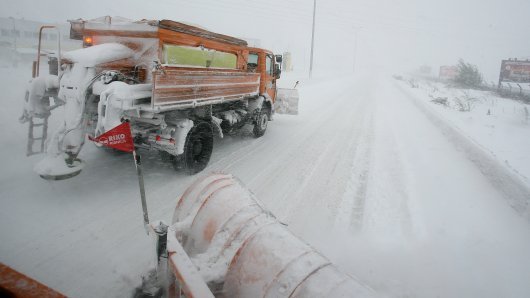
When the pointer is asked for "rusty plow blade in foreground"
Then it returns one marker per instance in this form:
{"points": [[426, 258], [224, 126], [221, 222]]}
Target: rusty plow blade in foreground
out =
{"points": [[286, 101], [223, 243]]}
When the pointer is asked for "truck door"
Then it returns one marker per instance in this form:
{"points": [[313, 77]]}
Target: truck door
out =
{"points": [[270, 80]]}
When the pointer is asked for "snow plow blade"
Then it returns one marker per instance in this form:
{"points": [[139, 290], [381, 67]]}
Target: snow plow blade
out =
{"points": [[286, 101], [223, 243]]}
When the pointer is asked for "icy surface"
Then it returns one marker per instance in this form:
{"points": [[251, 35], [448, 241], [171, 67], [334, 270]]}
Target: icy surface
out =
{"points": [[361, 173]]}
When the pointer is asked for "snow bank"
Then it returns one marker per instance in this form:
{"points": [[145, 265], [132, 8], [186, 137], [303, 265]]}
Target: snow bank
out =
{"points": [[499, 126]]}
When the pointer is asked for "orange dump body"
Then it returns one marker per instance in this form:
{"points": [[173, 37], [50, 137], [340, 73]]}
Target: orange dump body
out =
{"points": [[176, 84]]}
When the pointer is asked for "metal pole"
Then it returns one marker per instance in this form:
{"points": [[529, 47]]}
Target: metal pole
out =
{"points": [[138, 164], [312, 39], [59, 70], [355, 50]]}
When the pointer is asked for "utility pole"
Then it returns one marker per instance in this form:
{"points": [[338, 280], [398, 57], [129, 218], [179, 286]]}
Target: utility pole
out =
{"points": [[312, 39]]}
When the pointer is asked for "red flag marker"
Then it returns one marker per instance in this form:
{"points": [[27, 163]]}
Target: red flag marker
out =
{"points": [[119, 138]]}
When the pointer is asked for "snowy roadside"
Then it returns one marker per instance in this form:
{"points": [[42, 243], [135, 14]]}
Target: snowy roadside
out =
{"points": [[499, 125]]}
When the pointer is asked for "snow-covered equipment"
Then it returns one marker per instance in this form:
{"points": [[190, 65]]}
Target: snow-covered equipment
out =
{"points": [[37, 103], [287, 101], [31, 135], [222, 242], [178, 85]]}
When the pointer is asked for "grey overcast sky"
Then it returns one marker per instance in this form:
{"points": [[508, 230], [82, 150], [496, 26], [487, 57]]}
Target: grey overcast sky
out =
{"points": [[392, 34]]}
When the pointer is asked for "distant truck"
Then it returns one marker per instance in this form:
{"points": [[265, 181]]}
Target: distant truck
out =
{"points": [[176, 84]]}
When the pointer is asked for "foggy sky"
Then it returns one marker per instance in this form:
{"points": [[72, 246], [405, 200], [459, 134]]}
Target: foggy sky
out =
{"points": [[393, 35]]}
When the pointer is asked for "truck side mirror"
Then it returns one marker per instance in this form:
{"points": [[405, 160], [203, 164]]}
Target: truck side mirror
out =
{"points": [[277, 71], [279, 58]]}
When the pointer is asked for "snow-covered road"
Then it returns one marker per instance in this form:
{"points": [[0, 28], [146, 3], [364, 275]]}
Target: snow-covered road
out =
{"points": [[362, 174]]}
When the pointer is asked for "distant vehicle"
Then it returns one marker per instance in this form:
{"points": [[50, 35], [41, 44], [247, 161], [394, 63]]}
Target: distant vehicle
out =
{"points": [[177, 85]]}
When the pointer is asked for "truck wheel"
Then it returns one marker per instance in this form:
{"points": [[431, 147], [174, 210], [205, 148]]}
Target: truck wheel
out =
{"points": [[261, 123], [198, 147]]}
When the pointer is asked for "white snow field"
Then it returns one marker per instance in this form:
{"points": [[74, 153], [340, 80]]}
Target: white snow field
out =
{"points": [[498, 125], [367, 173]]}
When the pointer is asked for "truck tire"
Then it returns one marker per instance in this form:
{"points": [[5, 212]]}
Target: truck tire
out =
{"points": [[261, 123], [198, 147]]}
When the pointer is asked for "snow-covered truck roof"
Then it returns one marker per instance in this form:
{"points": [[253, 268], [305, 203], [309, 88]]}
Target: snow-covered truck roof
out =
{"points": [[144, 28]]}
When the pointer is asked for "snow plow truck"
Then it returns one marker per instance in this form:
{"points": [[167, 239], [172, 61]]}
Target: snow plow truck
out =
{"points": [[178, 86]]}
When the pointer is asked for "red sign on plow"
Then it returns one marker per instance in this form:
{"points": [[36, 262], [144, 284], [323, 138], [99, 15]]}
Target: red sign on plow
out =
{"points": [[119, 138]]}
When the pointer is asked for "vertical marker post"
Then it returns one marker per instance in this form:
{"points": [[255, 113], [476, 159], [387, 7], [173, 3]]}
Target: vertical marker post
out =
{"points": [[139, 173], [138, 164], [120, 138]]}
